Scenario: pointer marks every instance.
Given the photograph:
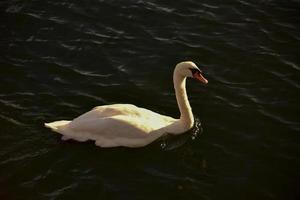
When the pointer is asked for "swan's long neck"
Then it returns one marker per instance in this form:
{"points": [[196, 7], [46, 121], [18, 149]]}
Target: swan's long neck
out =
{"points": [[186, 115]]}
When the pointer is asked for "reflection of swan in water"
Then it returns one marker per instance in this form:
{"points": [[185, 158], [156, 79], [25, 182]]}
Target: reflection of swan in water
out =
{"points": [[131, 126]]}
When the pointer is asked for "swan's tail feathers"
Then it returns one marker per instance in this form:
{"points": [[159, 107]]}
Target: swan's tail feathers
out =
{"points": [[57, 124]]}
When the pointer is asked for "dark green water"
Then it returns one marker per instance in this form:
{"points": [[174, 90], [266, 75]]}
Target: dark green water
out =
{"points": [[59, 59]]}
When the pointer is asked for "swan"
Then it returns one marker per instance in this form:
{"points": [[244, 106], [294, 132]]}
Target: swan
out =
{"points": [[131, 126]]}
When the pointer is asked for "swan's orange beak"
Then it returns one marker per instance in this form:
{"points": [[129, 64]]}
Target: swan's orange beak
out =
{"points": [[200, 78]]}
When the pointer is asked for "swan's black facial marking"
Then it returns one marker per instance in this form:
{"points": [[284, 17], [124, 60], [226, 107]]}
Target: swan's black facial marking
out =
{"points": [[194, 71], [197, 74]]}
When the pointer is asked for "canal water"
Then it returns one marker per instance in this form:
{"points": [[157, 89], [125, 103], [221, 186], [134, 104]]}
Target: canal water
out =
{"points": [[59, 59]]}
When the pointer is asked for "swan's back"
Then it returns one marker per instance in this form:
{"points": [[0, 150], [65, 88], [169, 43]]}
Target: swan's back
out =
{"points": [[116, 109]]}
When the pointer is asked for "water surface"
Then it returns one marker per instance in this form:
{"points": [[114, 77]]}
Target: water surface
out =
{"points": [[59, 59]]}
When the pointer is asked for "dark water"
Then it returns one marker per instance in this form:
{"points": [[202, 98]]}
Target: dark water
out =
{"points": [[61, 58]]}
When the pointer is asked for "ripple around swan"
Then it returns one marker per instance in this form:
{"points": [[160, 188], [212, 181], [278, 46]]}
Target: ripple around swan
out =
{"points": [[173, 142]]}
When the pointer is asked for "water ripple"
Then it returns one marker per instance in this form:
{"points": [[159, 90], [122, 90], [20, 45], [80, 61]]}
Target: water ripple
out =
{"points": [[12, 105], [83, 94], [92, 74], [24, 157], [278, 118], [60, 191], [12, 121], [290, 64]]}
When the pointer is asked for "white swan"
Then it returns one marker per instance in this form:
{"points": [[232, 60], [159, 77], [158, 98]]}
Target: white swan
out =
{"points": [[131, 126]]}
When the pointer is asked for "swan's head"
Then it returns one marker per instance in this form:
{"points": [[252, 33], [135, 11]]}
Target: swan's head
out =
{"points": [[190, 69]]}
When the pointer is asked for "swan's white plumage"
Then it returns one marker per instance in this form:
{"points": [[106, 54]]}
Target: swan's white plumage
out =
{"points": [[129, 125]]}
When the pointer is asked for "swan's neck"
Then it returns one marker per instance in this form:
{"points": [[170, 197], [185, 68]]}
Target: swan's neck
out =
{"points": [[186, 115]]}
